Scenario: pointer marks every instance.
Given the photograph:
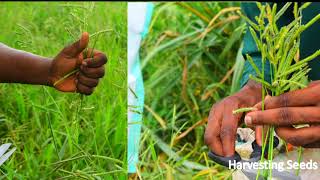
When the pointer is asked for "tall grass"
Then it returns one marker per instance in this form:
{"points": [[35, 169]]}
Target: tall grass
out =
{"points": [[188, 61], [39, 121]]}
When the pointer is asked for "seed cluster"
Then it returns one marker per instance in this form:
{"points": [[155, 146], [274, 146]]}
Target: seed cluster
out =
{"points": [[280, 46]]}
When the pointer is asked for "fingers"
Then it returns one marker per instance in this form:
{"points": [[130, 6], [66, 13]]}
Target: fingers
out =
{"points": [[86, 85], [261, 133], [222, 126], [229, 130], [299, 137], [91, 70], [284, 116], [89, 82], [314, 83], [83, 89], [94, 73], [95, 62], [93, 67], [212, 133], [91, 53], [304, 97], [77, 47], [258, 133]]}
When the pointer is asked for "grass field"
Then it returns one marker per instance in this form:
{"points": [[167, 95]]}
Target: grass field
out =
{"points": [[52, 142], [189, 61]]}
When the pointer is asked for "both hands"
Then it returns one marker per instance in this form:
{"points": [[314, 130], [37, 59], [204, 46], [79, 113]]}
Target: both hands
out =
{"points": [[284, 111], [70, 59]]}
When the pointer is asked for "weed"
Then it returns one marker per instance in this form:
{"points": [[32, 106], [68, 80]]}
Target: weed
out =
{"points": [[185, 72], [40, 121]]}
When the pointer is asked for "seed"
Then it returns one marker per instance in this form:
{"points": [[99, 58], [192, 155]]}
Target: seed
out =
{"points": [[269, 40]]}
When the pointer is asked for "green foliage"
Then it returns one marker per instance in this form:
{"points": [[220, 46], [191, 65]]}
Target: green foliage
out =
{"points": [[188, 64], [39, 120]]}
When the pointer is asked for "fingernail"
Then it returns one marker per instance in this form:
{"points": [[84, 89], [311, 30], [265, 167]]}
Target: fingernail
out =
{"points": [[248, 120]]}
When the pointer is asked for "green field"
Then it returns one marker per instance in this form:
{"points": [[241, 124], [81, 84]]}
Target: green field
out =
{"points": [[185, 72], [56, 136]]}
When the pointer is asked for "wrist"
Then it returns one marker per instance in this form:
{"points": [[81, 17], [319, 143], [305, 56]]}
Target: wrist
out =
{"points": [[49, 79]]}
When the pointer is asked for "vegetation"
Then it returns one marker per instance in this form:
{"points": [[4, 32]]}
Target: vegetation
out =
{"points": [[190, 60], [59, 135], [288, 71]]}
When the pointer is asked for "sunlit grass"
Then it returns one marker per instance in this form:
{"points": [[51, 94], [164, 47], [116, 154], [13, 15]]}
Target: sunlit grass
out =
{"points": [[92, 147]]}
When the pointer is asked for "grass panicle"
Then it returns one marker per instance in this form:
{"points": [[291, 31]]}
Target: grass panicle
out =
{"points": [[40, 120], [288, 72]]}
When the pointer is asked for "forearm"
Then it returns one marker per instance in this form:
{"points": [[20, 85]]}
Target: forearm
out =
{"points": [[22, 67]]}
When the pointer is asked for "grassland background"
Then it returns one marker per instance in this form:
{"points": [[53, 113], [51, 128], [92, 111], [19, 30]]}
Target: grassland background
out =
{"points": [[97, 142], [184, 76]]}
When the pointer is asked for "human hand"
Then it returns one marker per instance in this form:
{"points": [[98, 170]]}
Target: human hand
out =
{"points": [[70, 71], [292, 108], [220, 134]]}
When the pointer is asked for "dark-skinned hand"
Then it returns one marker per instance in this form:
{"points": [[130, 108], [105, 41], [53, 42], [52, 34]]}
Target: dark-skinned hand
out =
{"points": [[70, 59], [220, 134], [292, 108]]}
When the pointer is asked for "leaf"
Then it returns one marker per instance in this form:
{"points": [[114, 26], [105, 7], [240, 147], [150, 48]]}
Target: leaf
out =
{"points": [[172, 154], [239, 65], [164, 46], [63, 149], [4, 148], [6, 156], [236, 35]]}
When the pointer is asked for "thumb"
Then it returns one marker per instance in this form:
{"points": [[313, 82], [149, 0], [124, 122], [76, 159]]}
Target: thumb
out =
{"points": [[77, 47]]}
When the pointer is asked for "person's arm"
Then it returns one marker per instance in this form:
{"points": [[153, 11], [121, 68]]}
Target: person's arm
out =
{"points": [[22, 67]]}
